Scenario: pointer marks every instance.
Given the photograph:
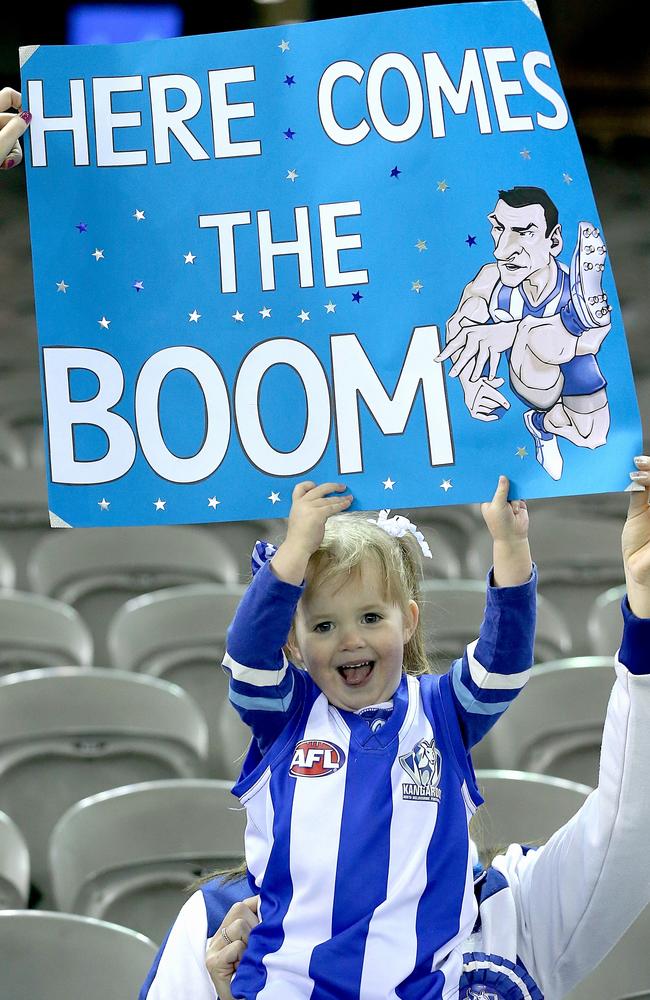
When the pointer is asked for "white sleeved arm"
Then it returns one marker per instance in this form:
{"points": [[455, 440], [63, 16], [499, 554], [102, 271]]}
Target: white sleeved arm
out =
{"points": [[182, 973], [577, 895]]}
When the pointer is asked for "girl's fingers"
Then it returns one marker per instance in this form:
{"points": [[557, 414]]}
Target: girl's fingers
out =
{"points": [[501, 492], [10, 135], [324, 488], [10, 98]]}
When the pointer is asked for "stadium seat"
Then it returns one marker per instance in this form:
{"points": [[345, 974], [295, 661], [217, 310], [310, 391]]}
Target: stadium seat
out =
{"points": [[64, 957], [97, 571], [453, 612], [7, 571], [240, 537], [447, 527], [578, 555], [39, 632], [605, 622], [555, 726], [179, 634], [128, 855], [14, 866], [67, 732], [523, 808], [234, 738], [24, 517], [625, 972], [13, 453]]}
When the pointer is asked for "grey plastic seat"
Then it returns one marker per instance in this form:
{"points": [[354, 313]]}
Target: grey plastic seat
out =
{"points": [[24, 516], [13, 452], [40, 632], [453, 612], [68, 732], [625, 972], [7, 571], [578, 555], [447, 527], [605, 622], [555, 726], [523, 808], [66, 957], [97, 571], [179, 634], [127, 855], [14, 866], [234, 740]]}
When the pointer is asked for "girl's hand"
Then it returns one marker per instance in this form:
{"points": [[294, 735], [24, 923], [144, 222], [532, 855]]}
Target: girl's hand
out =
{"points": [[225, 949], [11, 128], [310, 509], [636, 541], [506, 520], [508, 524]]}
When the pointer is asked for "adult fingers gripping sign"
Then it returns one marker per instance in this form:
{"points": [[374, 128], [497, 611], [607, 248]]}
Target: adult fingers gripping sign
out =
{"points": [[268, 256]]}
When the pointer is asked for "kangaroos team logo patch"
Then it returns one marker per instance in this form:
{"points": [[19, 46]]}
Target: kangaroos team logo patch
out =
{"points": [[315, 759], [423, 765]]}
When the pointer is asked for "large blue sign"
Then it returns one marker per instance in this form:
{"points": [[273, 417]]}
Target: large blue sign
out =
{"points": [[363, 250]]}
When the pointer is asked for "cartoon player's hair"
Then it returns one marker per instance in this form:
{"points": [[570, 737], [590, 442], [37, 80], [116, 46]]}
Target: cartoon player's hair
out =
{"points": [[520, 197]]}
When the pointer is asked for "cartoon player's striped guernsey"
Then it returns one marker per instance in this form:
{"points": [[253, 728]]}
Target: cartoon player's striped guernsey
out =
{"points": [[549, 319]]}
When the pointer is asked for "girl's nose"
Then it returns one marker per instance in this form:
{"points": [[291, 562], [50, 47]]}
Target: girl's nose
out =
{"points": [[351, 639]]}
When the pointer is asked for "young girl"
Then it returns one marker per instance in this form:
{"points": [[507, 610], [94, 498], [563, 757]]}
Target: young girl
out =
{"points": [[358, 784], [547, 916]]}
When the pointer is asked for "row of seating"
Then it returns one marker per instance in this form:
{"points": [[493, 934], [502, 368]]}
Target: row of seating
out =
{"points": [[127, 856]]}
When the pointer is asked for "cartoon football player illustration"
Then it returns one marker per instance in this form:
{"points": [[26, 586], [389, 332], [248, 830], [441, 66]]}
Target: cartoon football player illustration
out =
{"points": [[549, 319]]}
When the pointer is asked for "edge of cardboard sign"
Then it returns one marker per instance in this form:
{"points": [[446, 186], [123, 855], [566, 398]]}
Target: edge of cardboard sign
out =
{"points": [[26, 52]]}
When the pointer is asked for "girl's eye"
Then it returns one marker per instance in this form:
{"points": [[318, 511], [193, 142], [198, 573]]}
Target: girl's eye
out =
{"points": [[371, 617], [323, 627]]}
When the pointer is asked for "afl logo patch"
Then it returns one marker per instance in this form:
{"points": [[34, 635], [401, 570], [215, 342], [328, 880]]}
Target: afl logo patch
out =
{"points": [[315, 758]]}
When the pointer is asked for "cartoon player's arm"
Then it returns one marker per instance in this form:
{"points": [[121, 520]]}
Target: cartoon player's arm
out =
{"points": [[471, 337]]}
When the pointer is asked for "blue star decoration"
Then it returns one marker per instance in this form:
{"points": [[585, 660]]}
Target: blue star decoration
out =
{"points": [[290, 81], [395, 172], [471, 241], [82, 227], [289, 134], [356, 296]]}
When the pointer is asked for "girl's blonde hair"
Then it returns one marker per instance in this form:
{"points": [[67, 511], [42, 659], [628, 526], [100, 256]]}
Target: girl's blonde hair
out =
{"points": [[350, 540]]}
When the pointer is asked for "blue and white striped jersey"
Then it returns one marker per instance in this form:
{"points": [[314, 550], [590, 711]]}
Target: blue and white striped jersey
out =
{"points": [[357, 840], [546, 917]]}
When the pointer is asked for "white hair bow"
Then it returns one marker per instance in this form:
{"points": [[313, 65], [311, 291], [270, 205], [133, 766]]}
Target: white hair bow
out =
{"points": [[397, 526]]}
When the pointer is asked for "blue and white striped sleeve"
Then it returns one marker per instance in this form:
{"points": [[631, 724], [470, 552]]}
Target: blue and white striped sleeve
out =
{"points": [[495, 667], [264, 687]]}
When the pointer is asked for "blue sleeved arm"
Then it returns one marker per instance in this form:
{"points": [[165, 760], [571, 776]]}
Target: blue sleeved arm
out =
{"points": [[264, 687], [495, 667], [635, 644]]}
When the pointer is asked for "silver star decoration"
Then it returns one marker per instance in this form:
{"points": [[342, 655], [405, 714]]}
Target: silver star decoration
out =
{"points": [[442, 186], [189, 258], [283, 46], [104, 323], [138, 215], [525, 154], [213, 502], [421, 245], [159, 504], [446, 485], [61, 286], [139, 286], [567, 178], [194, 316], [330, 307], [238, 316], [522, 453], [417, 286], [103, 503], [303, 316], [291, 176], [388, 483], [265, 312], [98, 254], [274, 498]]}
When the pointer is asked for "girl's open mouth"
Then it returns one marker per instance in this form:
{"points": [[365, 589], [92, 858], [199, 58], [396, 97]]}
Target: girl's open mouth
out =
{"points": [[356, 674]]}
